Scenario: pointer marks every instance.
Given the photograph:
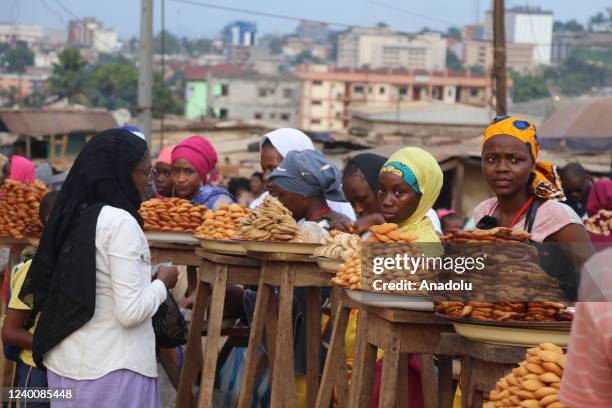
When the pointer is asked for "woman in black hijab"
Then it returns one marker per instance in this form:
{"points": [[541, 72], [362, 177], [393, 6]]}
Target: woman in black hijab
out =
{"points": [[90, 280]]}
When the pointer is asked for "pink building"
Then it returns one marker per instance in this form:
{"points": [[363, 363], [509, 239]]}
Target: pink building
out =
{"points": [[328, 93]]}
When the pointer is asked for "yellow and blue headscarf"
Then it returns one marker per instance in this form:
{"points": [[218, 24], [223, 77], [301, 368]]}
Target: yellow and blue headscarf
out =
{"points": [[546, 182], [421, 171]]}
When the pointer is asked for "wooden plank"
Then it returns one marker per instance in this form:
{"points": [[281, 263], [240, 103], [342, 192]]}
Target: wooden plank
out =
{"points": [[451, 343], [271, 325], [446, 390], [402, 395], [52, 147], [283, 370], [227, 259], [193, 352], [313, 344], [391, 357], [335, 357], [64, 147], [167, 360], [364, 365], [215, 319], [253, 354], [428, 381]]}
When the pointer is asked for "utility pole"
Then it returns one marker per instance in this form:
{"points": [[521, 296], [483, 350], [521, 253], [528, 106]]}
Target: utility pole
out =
{"points": [[499, 58], [145, 70]]}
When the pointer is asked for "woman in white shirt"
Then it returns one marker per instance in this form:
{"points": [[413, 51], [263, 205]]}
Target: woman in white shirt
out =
{"points": [[91, 280]]}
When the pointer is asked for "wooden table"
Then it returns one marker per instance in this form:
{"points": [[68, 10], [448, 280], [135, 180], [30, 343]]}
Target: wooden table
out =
{"points": [[335, 369], [216, 273], [398, 332], [287, 272], [179, 254], [482, 365]]}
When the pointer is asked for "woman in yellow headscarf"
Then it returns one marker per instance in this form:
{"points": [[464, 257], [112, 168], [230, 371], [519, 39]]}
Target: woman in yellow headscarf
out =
{"points": [[528, 197], [409, 185]]}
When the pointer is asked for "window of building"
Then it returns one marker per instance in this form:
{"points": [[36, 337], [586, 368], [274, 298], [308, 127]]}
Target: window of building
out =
{"points": [[224, 89], [316, 102], [258, 115], [285, 116], [369, 89], [315, 121], [317, 83], [381, 90], [403, 90], [474, 92], [273, 116], [338, 114], [263, 92], [358, 89], [271, 91], [223, 113], [287, 93]]}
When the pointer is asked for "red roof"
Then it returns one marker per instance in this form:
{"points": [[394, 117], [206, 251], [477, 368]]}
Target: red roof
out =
{"points": [[199, 73]]}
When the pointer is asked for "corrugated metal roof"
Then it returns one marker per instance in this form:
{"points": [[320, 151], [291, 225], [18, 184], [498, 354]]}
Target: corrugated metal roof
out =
{"points": [[436, 113], [47, 122]]}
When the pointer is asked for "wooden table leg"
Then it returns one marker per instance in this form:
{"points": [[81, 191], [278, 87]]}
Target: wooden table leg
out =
{"points": [[170, 365], [335, 357], [428, 380], [271, 325], [402, 395], [388, 384], [313, 346], [254, 352], [466, 382], [446, 391], [364, 365], [213, 337], [283, 370], [193, 351]]}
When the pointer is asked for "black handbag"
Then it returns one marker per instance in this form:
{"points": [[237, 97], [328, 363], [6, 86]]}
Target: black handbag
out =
{"points": [[169, 325]]}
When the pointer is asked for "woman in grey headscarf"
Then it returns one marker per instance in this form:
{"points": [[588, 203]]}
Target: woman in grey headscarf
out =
{"points": [[305, 182]]}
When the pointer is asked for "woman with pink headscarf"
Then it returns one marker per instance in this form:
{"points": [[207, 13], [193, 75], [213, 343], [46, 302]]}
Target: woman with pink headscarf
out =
{"points": [[21, 169], [164, 185], [193, 163]]}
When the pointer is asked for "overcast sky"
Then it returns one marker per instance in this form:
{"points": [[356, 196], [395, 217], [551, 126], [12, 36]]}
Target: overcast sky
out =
{"points": [[191, 20]]}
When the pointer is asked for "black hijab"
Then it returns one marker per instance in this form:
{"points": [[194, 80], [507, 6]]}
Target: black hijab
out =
{"points": [[370, 165], [61, 282]]}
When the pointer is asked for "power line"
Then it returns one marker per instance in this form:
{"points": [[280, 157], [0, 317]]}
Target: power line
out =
{"points": [[261, 13], [411, 13]]}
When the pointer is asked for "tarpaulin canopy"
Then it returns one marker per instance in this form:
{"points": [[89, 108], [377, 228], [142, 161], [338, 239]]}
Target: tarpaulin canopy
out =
{"points": [[585, 126]]}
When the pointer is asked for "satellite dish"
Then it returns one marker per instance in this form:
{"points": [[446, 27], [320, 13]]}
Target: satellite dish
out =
{"points": [[122, 116]]}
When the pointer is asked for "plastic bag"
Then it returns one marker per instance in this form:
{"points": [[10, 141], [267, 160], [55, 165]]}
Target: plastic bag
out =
{"points": [[169, 325]]}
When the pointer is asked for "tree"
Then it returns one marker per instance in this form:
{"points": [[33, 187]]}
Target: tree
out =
{"points": [[172, 43], [382, 24], [17, 58], [452, 61], [69, 79], [571, 26], [9, 96], [113, 86], [454, 32], [528, 87], [163, 99], [306, 57]]}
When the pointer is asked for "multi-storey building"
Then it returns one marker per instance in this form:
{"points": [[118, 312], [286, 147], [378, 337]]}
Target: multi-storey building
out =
{"points": [[382, 47], [328, 93]]}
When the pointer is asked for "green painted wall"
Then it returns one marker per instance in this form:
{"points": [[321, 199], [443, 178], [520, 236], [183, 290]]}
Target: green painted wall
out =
{"points": [[197, 101]]}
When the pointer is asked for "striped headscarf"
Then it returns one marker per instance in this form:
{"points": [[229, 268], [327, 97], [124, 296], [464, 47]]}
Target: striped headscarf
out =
{"points": [[545, 182]]}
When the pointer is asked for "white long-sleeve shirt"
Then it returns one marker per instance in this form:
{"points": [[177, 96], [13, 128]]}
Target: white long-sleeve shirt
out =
{"points": [[120, 333]]}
